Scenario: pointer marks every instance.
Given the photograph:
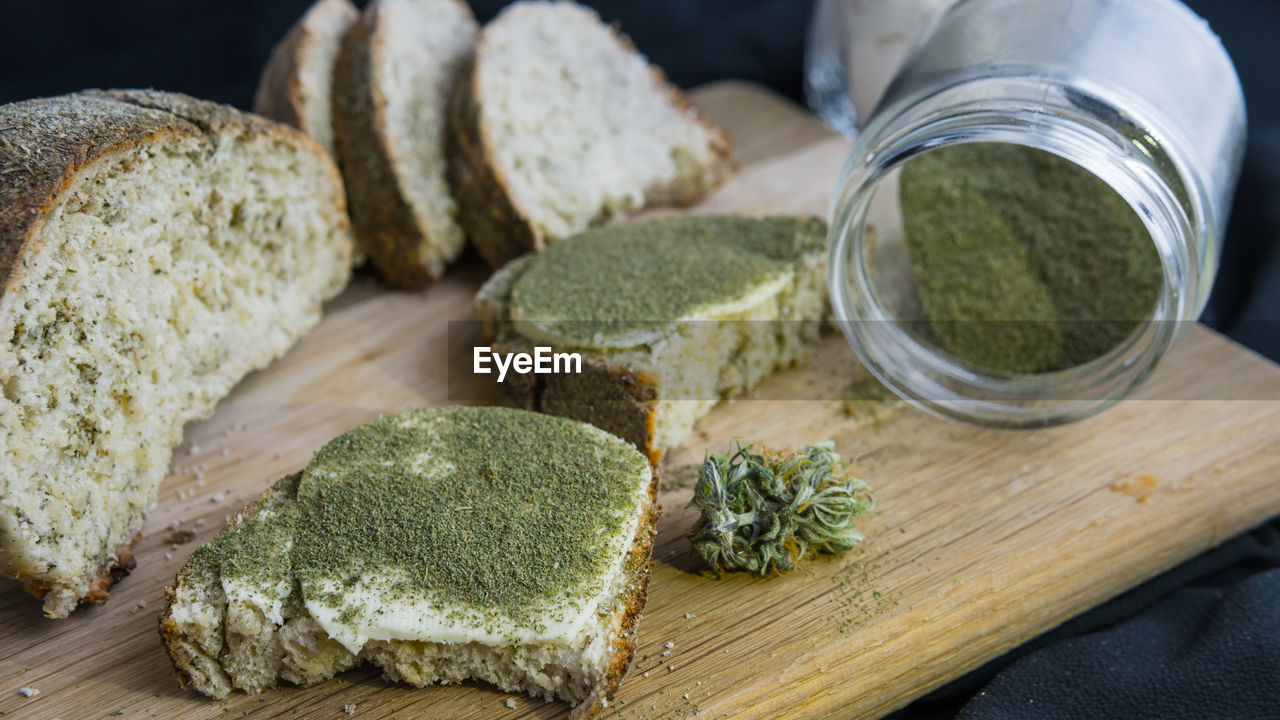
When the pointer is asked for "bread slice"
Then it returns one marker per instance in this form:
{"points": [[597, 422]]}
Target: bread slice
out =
{"points": [[391, 86], [154, 249], [669, 317], [295, 87], [441, 545], [559, 123]]}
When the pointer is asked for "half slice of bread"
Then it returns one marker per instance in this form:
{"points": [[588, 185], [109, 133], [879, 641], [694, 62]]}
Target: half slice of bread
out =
{"points": [[440, 545], [154, 249], [391, 87], [559, 123], [296, 84], [669, 317]]}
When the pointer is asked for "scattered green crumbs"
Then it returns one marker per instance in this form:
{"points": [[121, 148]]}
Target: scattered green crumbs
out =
{"points": [[620, 279], [485, 508], [1024, 262], [866, 389], [763, 511], [866, 397]]}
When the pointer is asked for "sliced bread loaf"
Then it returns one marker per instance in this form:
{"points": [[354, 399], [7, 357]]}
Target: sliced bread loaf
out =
{"points": [[440, 545], [154, 249], [296, 84], [391, 86], [669, 317], [559, 123]]}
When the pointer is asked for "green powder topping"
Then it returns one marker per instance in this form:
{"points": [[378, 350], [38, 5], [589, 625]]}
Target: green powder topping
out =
{"points": [[488, 509], [618, 280], [1024, 261], [253, 547]]}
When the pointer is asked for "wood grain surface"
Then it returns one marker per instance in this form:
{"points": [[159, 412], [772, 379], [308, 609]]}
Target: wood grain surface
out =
{"points": [[980, 539]]}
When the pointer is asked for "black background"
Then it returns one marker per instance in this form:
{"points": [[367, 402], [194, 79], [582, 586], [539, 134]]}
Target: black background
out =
{"points": [[215, 49], [1202, 641]]}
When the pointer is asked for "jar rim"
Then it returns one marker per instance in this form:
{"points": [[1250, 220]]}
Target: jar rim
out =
{"points": [[1014, 110]]}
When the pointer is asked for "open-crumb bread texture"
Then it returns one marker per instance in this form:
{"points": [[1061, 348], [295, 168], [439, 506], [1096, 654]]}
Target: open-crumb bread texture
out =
{"points": [[558, 123], [154, 249], [391, 87], [440, 545], [295, 87], [669, 317]]}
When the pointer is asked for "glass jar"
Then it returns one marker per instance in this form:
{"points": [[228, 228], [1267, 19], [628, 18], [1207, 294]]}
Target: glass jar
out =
{"points": [[854, 49], [1139, 93]]}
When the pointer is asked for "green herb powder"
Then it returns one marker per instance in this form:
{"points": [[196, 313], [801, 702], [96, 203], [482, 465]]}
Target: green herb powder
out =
{"points": [[1024, 261], [620, 279], [481, 508]]}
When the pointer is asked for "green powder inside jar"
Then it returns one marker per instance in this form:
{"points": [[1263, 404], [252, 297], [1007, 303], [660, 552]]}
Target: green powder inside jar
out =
{"points": [[1024, 262]]}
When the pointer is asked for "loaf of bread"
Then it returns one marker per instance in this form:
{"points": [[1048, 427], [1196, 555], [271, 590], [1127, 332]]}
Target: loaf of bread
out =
{"points": [[295, 87], [559, 123], [391, 87], [154, 249], [669, 317], [441, 545]]}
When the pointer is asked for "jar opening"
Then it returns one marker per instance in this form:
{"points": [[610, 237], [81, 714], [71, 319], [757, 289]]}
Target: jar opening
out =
{"points": [[1011, 266]]}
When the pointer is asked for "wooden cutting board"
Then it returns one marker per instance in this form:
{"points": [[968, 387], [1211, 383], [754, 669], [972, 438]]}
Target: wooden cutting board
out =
{"points": [[980, 539]]}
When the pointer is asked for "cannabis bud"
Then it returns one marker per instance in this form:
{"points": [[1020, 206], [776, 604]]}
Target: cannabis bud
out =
{"points": [[765, 511]]}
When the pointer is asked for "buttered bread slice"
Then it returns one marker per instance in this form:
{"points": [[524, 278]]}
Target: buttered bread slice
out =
{"points": [[441, 545], [669, 316]]}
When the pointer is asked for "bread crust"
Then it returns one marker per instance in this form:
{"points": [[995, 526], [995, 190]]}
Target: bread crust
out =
{"points": [[185, 660], [109, 573], [688, 191], [639, 567], [614, 398], [44, 144], [279, 94], [495, 226], [385, 223], [185, 657], [487, 210]]}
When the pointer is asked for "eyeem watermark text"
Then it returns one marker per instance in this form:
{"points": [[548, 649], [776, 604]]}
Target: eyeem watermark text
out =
{"points": [[542, 361]]}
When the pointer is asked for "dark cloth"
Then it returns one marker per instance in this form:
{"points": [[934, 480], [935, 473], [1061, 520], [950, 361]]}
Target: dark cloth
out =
{"points": [[1246, 298], [1139, 667], [1201, 641]]}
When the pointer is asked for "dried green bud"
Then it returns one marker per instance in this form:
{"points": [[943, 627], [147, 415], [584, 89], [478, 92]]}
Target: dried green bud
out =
{"points": [[764, 511]]}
